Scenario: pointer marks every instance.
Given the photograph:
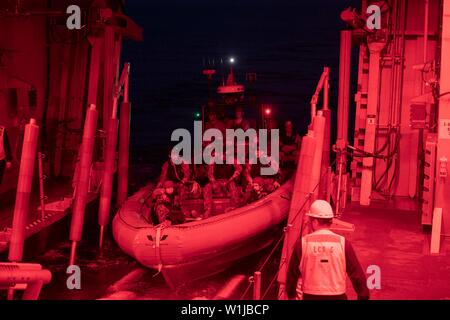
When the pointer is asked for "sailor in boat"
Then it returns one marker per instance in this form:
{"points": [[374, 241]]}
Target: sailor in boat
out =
{"points": [[222, 181], [257, 185], [179, 174], [166, 205], [239, 122], [256, 191], [214, 122], [290, 142]]}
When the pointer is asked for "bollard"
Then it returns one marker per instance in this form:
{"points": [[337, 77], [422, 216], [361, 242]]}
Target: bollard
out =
{"points": [[25, 181], [124, 145], [86, 153], [108, 177], [257, 285]]}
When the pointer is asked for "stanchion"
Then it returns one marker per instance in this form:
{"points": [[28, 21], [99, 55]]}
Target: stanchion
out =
{"points": [[124, 145], [41, 156], [86, 153], [108, 177], [257, 285], [25, 181]]}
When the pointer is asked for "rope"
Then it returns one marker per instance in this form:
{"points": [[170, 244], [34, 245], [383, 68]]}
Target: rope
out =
{"points": [[246, 290], [270, 285]]}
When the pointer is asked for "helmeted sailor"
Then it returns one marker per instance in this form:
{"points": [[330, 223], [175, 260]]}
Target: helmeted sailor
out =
{"points": [[322, 259], [5, 152], [222, 180]]}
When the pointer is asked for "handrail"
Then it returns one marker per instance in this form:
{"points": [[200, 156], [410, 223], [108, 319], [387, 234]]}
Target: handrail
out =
{"points": [[321, 85], [24, 276]]}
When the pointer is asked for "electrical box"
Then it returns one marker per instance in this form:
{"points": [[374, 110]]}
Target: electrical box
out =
{"points": [[418, 116], [429, 173]]}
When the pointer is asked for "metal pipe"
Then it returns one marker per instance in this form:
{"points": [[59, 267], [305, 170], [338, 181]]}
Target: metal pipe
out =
{"points": [[41, 183], [24, 184], [73, 253], [319, 131], [108, 174], [425, 31], [32, 275], [300, 197], [124, 146], [344, 88], [375, 49], [86, 155], [338, 194], [313, 112], [325, 154], [109, 78], [257, 285], [126, 90], [326, 89]]}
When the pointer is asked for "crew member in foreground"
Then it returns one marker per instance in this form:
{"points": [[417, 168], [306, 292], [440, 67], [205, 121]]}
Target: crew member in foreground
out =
{"points": [[322, 259]]}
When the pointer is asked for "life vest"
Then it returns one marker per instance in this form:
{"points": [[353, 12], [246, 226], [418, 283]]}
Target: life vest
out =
{"points": [[2, 141], [323, 265], [289, 140]]}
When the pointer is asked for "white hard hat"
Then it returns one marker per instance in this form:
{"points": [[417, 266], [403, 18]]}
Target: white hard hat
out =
{"points": [[320, 209]]}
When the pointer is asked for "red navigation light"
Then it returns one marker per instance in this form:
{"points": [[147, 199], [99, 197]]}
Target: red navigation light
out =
{"points": [[268, 111]]}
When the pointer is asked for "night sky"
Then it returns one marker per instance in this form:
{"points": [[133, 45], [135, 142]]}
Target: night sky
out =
{"points": [[287, 43]]}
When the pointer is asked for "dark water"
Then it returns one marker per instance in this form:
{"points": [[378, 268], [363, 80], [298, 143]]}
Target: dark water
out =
{"points": [[287, 43]]}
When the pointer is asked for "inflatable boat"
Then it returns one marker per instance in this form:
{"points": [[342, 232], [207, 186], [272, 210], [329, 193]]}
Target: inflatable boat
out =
{"points": [[199, 249]]}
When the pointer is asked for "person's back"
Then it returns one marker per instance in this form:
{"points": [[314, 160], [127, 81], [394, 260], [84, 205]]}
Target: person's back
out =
{"points": [[323, 259], [323, 263]]}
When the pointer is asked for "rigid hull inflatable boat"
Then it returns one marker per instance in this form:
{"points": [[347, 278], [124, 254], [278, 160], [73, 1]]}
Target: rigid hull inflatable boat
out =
{"points": [[199, 249]]}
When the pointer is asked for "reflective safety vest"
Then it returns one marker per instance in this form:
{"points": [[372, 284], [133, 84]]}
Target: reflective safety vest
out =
{"points": [[322, 265], [2, 141]]}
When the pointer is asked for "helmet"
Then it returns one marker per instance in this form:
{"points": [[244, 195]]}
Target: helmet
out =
{"points": [[168, 184], [320, 209]]}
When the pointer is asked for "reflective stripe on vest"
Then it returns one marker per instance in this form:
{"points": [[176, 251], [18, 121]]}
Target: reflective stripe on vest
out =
{"points": [[2, 141], [322, 264]]}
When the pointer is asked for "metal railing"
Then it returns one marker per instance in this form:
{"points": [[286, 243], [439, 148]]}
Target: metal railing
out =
{"points": [[23, 276]]}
